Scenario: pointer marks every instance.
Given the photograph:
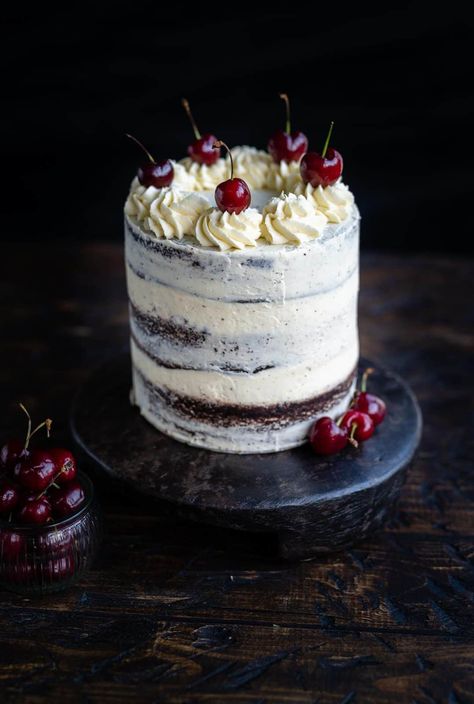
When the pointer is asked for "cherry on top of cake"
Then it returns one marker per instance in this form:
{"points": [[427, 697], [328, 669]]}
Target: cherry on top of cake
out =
{"points": [[154, 173], [203, 149], [322, 169], [233, 195], [285, 145]]}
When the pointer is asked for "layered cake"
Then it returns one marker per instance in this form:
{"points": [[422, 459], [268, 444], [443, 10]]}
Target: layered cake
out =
{"points": [[243, 316]]}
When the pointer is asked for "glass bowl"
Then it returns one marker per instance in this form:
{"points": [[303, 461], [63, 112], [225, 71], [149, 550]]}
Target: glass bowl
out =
{"points": [[52, 557]]}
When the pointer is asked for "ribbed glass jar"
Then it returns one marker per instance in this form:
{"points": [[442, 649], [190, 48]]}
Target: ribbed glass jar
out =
{"points": [[52, 557]]}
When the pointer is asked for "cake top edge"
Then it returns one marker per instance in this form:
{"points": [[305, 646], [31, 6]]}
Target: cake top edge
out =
{"points": [[265, 202]]}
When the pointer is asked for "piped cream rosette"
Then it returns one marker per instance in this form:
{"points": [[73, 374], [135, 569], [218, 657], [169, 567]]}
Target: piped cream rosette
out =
{"points": [[291, 219]]}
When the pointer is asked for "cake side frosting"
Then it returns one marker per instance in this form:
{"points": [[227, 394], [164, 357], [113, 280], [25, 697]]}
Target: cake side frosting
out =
{"points": [[239, 351]]}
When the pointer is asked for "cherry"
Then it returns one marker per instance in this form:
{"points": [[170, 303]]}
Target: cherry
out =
{"points": [[322, 169], [68, 499], [65, 465], [14, 452], [202, 149], [11, 452], [59, 568], [37, 471], [9, 496], [36, 510], [233, 195], [54, 542], [358, 425], [10, 545], [20, 572], [370, 404], [156, 173], [285, 145], [327, 437]]}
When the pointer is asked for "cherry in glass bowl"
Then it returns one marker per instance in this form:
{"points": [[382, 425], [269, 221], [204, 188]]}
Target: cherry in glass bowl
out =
{"points": [[51, 557]]}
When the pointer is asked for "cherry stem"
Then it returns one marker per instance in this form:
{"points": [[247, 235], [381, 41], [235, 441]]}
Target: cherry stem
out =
{"points": [[218, 145], [326, 143], [365, 376], [52, 482], [351, 438], [186, 106], [45, 424], [285, 97], [130, 136], [28, 431]]}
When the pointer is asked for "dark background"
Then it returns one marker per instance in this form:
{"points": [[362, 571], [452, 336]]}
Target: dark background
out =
{"points": [[397, 81]]}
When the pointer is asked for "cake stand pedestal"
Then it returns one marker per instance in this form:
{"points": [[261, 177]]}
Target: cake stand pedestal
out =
{"points": [[313, 504]]}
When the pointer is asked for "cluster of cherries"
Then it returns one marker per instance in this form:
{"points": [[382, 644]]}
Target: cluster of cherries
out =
{"points": [[233, 195], [356, 425], [37, 485]]}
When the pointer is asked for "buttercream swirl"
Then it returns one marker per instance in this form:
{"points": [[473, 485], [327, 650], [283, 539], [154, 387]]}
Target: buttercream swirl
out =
{"points": [[228, 230], [335, 201], [139, 199], [251, 164], [167, 212], [291, 219], [284, 176], [191, 176]]}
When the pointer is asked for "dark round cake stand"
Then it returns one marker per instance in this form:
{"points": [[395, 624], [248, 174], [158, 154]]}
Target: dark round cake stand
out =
{"points": [[313, 504]]}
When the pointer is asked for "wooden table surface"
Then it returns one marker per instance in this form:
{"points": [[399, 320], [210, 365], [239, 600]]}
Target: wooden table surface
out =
{"points": [[175, 612]]}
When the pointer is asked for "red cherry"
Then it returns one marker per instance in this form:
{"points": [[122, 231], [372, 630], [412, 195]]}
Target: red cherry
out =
{"points": [[65, 465], [35, 510], [9, 496], [15, 451], [37, 471], [57, 542], [10, 545], [156, 173], [358, 425], [285, 145], [232, 196], [202, 149], [59, 568], [67, 500], [372, 405], [327, 437], [11, 452], [322, 169], [368, 403], [20, 573]]}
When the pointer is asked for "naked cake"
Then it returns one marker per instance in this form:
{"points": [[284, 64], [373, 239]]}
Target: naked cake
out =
{"points": [[243, 315]]}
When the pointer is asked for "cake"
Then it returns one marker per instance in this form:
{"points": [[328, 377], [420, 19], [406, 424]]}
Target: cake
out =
{"points": [[243, 324]]}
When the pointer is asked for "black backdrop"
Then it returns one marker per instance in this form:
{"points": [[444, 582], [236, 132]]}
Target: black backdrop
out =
{"points": [[396, 81]]}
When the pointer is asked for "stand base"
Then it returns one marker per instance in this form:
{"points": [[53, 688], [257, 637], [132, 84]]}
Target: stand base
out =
{"points": [[313, 504]]}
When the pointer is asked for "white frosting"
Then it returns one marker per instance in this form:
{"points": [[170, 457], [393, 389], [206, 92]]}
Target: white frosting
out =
{"points": [[284, 176], [336, 201], [252, 165], [291, 219], [191, 176], [139, 199], [228, 230], [167, 212], [290, 383]]}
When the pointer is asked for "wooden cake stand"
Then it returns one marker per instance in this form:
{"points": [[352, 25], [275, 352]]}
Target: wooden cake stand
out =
{"points": [[313, 504]]}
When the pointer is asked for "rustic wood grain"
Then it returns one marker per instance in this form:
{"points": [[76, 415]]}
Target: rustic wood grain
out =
{"points": [[179, 613]]}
